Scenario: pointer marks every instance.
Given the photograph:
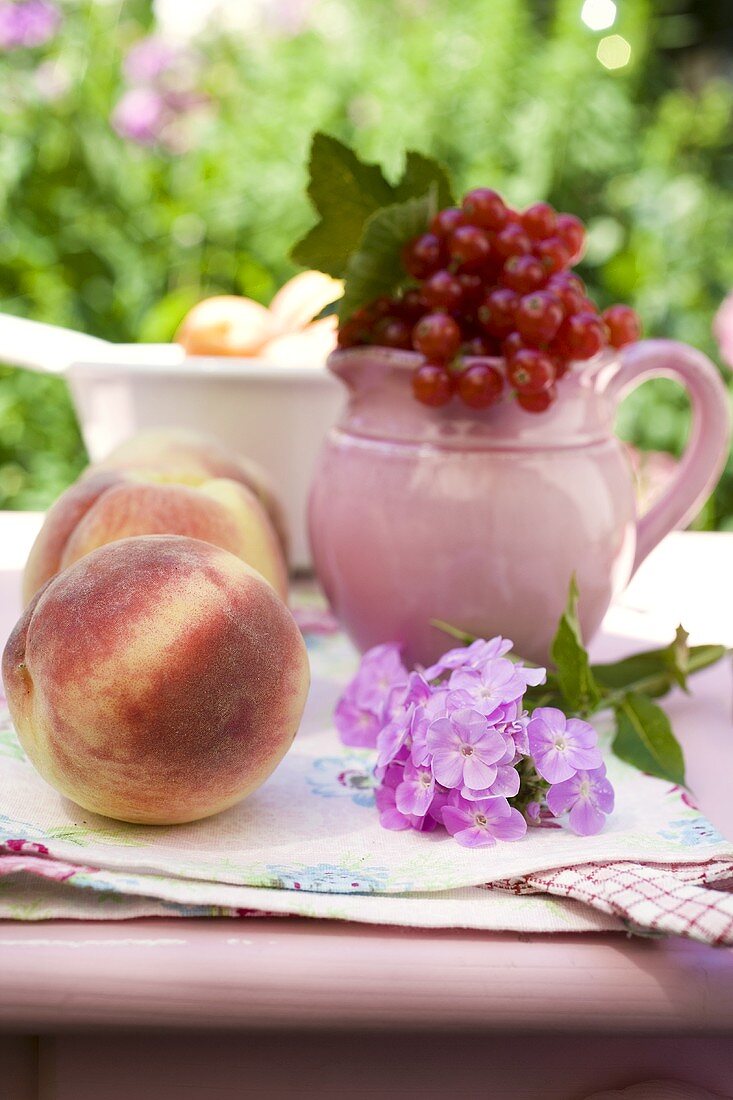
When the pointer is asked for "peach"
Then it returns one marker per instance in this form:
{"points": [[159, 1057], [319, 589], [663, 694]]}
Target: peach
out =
{"points": [[225, 325], [302, 298], [310, 347], [113, 505], [158, 680], [190, 458]]}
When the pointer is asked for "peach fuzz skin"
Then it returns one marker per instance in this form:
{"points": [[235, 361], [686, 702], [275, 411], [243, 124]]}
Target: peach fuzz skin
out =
{"points": [[186, 457], [158, 680], [109, 505]]}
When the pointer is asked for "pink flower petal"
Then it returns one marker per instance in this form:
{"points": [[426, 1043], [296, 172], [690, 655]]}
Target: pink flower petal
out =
{"points": [[474, 838], [561, 796], [603, 795], [442, 734], [493, 809], [583, 757], [513, 827], [454, 819], [506, 783], [476, 773], [448, 767], [393, 819], [585, 819], [491, 746], [412, 796], [553, 765], [581, 733]]}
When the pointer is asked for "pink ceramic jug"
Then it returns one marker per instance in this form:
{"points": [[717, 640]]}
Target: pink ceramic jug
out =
{"points": [[481, 518]]}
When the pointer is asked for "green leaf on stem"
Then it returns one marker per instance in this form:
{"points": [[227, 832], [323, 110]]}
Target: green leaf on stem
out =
{"points": [[656, 671], [454, 631], [374, 268], [346, 192], [570, 658], [644, 738], [419, 175]]}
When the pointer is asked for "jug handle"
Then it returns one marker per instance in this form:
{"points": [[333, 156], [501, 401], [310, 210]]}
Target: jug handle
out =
{"points": [[707, 445]]}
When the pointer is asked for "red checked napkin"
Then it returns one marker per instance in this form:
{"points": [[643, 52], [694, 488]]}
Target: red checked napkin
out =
{"points": [[683, 899]]}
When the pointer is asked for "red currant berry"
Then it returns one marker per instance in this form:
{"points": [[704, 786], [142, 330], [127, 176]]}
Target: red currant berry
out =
{"points": [[393, 332], [480, 385], [523, 274], [623, 324], [553, 253], [482, 346], [530, 371], [372, 311], [539, 220], [571, 232], [512, 345], [350, 334], [512, 241], [357, 329], [581, 336], [443, 291], [432, 385], [445, 221], [423, 255], [485, 208], [497, 311], [412, 305], [469, 246], [437, 337], [538, 317], [537, 402], [472, 286], [569, 289]]}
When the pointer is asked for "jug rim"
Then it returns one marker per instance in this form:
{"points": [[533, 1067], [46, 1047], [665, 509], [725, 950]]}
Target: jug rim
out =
{"points": [[403, 360], [381, 406]]}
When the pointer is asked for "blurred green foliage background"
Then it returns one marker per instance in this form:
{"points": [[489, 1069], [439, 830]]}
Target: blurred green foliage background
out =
{"points": [[117, 229]]}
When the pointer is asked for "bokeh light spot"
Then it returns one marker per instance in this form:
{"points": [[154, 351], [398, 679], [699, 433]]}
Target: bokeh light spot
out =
{"points": [[598, 15], [613, 51]]}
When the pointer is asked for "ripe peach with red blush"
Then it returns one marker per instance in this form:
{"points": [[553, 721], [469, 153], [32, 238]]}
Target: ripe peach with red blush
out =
{"points": [[157, 680], [187, 457], [110, 505]]}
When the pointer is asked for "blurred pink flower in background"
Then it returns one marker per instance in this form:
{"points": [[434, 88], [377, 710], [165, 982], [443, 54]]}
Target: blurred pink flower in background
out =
{"points": [[723, 329], [162, 94], [150, 58], [27, 23], [140, 116]]}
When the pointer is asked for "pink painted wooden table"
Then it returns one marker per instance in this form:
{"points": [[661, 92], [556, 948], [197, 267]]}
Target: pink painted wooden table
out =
{"points": [[286, 1008]]}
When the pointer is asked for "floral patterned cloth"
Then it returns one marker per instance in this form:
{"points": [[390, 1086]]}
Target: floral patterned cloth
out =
{"points": [[309, 843]]}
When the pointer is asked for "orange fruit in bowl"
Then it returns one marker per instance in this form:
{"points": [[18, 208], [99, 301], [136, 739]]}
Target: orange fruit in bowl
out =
{"points": [[309, 347], [302, 298], [226, 325]]}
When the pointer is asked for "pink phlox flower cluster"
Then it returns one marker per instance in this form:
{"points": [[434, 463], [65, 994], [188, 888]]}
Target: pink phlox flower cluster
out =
{"points": [[454, 740]]}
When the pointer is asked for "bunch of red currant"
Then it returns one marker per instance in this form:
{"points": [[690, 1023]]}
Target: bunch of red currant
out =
{"points": [[492, 305]]}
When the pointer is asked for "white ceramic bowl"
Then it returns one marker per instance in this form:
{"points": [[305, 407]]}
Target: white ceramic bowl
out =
{"points": [[277, 416]]}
